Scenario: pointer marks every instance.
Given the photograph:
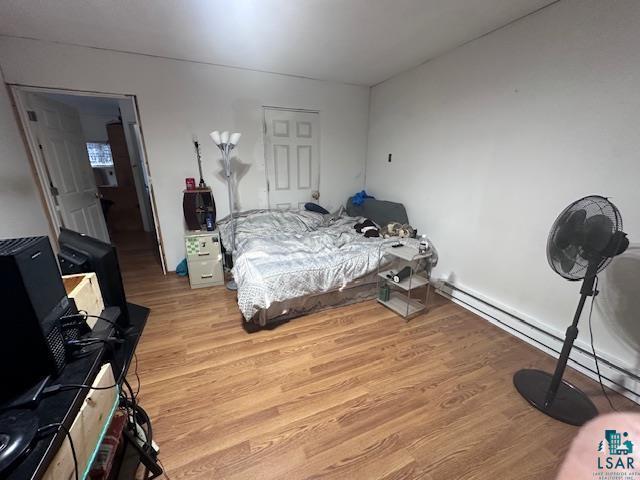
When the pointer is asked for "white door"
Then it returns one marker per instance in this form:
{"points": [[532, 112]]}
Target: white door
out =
{"points": [[63, 150], [138, 176], [292, 150], [149, 188]]}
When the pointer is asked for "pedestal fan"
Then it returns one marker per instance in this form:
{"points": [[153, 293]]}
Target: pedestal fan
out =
{"points": [[582, 242]]}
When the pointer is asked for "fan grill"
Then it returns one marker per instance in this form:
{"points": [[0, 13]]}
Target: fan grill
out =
{"points": [[577, 256]]}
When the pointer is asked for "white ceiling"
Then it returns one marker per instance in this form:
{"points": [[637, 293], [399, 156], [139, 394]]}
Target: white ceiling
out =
{"points": [[354, 41]]}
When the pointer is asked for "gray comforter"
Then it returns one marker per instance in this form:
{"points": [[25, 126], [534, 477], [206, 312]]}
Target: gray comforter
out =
{"points": [[280, 255]]}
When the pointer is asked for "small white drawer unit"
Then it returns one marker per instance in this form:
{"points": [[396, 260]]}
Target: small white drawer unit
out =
{"points": [[204, 258]]}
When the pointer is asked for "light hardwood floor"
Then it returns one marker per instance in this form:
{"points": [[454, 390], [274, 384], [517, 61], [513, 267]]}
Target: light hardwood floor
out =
{"points": [[349, 393]]}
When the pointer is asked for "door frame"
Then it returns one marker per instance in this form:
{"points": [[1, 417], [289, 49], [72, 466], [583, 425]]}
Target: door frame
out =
{"points": [[266, 144], [40, 170]]}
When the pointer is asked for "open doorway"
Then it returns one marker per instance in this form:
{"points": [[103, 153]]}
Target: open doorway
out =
{"points": [[90, 161]]}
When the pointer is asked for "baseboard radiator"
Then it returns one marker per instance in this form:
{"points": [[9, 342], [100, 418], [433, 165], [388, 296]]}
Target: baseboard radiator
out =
{"points": [[613, 376]]}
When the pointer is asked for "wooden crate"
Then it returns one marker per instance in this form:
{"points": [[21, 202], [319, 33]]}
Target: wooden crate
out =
{"points": [[85, 290], [87, 429]]}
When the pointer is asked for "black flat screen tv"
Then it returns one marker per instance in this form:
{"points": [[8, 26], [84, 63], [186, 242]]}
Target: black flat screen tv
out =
{"points": [[80, 253]]}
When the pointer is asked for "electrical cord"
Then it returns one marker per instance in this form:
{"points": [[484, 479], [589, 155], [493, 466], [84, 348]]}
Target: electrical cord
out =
{"points": [[164, 470], [128, 406], [146, 421], [119, 328], [137, 415], [135, 372], [134, 407], [140, 418], [60, 426], [108, 340], [75, 386], [83, 314], [71, 386], [593, 349], [134, 412], [85, 342], [148, 433]]}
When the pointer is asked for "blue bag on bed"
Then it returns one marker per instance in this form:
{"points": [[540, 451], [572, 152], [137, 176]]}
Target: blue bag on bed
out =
{"points": [[358, 198]]}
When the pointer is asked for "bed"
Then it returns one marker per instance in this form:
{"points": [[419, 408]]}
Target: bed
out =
{"points": [[290, 263]]}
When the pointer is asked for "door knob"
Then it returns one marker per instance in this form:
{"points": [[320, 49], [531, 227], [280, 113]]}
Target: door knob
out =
{"points": [[315, 194]]}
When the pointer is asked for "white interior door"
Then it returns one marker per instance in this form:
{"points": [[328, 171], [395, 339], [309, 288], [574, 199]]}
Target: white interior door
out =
{"points": [[292, 140], [149, 185], [138, 176], [63, 149]]}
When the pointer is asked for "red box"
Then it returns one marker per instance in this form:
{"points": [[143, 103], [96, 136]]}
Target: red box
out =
{"points": [[191, 183], [103, 461]]}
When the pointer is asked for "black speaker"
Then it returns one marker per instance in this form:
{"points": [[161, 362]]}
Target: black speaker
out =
{"points": [[32, 300]]}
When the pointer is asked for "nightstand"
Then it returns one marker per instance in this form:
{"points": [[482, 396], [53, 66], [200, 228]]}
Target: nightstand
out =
{"points": [[400, 298], [204, 258]]}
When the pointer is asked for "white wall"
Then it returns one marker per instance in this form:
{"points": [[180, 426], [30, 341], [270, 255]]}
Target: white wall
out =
{"points": [[179, 99], [491, 141], [94, 126], [21, 210]]}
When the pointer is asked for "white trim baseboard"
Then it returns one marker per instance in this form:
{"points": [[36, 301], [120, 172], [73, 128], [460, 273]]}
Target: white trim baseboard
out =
{"points": [[542, 337]]}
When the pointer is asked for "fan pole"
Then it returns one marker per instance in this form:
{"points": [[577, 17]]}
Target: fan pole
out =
{"points": [[569, 338], [572, 333], [550, 393]]}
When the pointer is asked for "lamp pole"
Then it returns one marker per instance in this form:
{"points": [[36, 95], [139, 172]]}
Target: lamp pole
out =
{"points": [[226, 144], [227, 167]]}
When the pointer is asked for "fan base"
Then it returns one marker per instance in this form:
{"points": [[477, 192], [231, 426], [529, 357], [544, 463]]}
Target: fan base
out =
{"points": [[571, 405]]}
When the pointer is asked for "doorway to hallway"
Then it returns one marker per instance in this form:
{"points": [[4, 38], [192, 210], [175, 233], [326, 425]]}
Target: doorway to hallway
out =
{"points": [[90, 162]]}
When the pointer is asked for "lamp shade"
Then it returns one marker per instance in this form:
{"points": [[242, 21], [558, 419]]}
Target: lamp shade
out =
{"points": [[235, 138], [215, 136], [224, 137]]}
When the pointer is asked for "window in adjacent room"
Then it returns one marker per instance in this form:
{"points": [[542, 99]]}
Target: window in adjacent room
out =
{"points": [[102, 164], [99, 154]]}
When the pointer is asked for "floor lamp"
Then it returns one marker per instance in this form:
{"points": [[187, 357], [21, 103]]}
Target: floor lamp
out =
{"points": [[227, 143]]}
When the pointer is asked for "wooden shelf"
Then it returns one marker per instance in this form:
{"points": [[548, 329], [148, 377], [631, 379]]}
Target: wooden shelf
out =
{"points": [[407, 253], [398, 303], [197, 190], [417, 281]]}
